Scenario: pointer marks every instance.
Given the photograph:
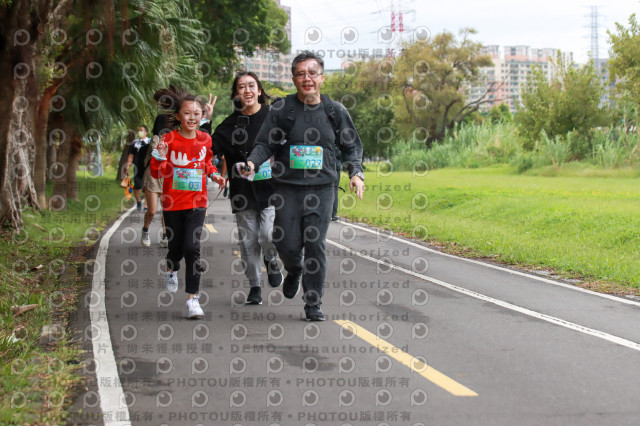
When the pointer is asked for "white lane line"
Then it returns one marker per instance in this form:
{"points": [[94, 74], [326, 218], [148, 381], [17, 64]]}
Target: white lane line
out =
{"points": [[115, 411], [499, 268], [557, 321]]}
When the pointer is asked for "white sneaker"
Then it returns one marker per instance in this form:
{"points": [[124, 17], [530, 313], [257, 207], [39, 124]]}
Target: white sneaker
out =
{"points": [[164, 242], [145, 239], [195, 311], [171, 282]]}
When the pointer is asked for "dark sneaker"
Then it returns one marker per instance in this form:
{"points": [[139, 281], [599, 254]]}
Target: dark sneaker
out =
{"points": [[273, 273], [290, 286], [139, 206], [255, 296], [335, 218], [225, 191], [314, 313]]}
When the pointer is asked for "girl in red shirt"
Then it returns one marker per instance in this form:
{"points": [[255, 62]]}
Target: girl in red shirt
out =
{"points": [[183, 159]]}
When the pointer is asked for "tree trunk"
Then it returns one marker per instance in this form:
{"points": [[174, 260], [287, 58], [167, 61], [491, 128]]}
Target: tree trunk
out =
{"points": [[42, 145], [58, 173], [51, 158], [43, 149], [17, 190], [75, 154], [17, 71]]}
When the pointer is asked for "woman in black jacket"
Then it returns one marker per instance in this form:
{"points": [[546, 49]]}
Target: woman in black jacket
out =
{"points": [[250, 197]]}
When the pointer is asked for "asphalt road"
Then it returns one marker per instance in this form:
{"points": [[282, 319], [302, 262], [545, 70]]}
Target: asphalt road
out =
{"points": [[414, 337]]}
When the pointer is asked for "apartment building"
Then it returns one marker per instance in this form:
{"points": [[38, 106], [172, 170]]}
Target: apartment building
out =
{"points": [[512, 68], [602, 68]]}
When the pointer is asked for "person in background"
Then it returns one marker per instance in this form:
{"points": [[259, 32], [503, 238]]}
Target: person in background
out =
{"points": [[250, 199], [136, 155], [151, 187], [183, 158]]}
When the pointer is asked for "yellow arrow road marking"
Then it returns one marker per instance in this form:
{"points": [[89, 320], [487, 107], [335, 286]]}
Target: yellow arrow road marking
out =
{"points": [[210, 228], [426, 371]]}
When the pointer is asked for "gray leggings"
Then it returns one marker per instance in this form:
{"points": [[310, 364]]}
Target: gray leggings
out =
{"points": [[255, 229]]}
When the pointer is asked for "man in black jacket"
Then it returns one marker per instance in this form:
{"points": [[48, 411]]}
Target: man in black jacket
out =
{"points": [[299, 133]]}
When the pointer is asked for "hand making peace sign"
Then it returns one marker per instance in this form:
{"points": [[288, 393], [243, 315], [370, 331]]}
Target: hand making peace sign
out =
{"points": [[208, 107]]}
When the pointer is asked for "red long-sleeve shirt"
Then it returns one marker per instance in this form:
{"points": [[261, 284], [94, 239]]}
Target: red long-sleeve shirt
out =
{"points": [[185, 171]]}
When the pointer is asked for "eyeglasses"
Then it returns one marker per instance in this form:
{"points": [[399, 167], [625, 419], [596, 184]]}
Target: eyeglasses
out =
{"points": [[312, 74]]}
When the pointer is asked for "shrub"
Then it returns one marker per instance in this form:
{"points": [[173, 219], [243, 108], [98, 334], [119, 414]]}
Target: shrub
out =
{"points": [[523, 162], [556, 149], [580, 144]]}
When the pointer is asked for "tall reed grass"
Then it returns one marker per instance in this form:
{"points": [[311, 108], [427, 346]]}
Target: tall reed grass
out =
{"points": [[486, 144]]}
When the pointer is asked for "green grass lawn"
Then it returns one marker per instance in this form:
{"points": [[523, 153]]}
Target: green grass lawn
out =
{"points": [[36, 381], [586, 227]]}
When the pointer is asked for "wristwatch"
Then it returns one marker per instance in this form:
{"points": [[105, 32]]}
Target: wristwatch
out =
{"points": [[359, 174]]}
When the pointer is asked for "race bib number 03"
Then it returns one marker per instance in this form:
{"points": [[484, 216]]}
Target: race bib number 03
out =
{"points": [[305, 157], [187, 179], [264, 172]]}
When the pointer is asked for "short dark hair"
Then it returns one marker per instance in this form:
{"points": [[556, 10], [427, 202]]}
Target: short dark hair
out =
{"points": [[146, 129], [304, 56]]}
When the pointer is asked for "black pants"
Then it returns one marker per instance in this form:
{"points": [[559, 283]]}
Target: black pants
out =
{"points": [[336, 197], [336, 192], [184, 228], [301, 223], [138, 181]]}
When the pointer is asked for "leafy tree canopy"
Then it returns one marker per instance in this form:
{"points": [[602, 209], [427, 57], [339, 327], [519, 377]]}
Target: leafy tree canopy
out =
{"points": [[624, 64], [569, 102], [432, 75], [364, 88]]}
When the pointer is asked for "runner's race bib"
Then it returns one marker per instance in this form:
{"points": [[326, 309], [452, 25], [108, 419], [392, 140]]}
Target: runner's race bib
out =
{"points": [[264, 172], [305, 157], [187, 179]]}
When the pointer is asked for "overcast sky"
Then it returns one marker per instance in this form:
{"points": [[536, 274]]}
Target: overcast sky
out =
{"points": [[337, 26]]}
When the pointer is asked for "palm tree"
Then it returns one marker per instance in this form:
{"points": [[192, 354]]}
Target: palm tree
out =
{"points": [[110, 79]]}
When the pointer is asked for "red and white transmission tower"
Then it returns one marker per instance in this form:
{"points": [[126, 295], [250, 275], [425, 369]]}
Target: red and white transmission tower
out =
{"points": [[397, 24], [397, 18]]}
